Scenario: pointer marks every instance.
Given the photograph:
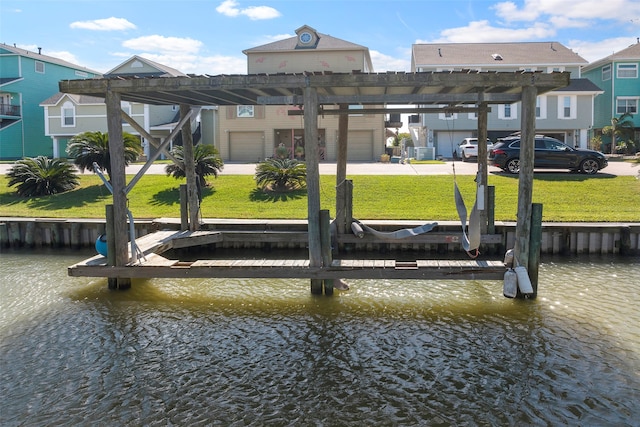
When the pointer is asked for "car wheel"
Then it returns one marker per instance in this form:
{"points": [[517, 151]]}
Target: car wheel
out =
{"points": [[589, 166], [513, 166], [463, 156]]}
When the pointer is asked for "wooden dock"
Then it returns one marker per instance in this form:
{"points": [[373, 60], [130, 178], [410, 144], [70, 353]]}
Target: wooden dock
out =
{"points": [[153, 264]]}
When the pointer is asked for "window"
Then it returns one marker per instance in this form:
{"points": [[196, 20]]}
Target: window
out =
{"points": [[627, 71], [68, 114], [508, 111], [82, 74], [40, 67], [555, 69], [567, 107], [626, 105], [606, 73], [541, 107], [356, 107], [245, 111]]}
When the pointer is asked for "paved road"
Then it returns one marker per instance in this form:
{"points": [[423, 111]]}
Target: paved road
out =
{"points": [[470, 168]]}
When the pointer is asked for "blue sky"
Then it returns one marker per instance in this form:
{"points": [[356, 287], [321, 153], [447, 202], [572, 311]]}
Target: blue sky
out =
{"points": [[208, 36]]}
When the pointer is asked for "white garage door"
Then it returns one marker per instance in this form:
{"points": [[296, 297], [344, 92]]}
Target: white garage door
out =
{"points": [[360, 146], [448, 141], [246, 147]]}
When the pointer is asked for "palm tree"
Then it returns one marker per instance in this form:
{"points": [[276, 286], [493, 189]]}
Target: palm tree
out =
{"points": [[206, 158], [621, 127], [89, 147], [41, 176], [281, 174]]}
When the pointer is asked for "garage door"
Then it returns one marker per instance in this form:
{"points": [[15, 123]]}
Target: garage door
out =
{"points": [[360, 146], [448, 141], [246, 147]]}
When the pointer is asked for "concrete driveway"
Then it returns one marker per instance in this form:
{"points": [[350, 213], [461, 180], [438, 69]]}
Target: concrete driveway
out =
{"points": [[617, 168]]}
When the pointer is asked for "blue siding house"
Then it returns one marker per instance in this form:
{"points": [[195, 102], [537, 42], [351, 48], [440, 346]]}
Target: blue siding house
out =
{"points": [[618, 75], [27, 78]]}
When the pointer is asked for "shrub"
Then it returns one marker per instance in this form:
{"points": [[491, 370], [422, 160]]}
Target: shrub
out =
{"points": [[89, 147], [41, 176], [281, 174], [206, 158]]}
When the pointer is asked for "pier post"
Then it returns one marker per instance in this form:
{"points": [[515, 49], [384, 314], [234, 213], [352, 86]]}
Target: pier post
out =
{"points": [[325, 240], [112, 282], [184, 208], [525, 181], [342, 218], [534, 246]]}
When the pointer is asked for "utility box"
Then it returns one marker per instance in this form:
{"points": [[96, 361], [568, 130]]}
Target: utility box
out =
{"points": [[425, 153]]}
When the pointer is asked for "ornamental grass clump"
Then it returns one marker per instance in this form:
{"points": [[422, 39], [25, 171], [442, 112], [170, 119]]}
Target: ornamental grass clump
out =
{"points": [[41, 176], [275, 174]]}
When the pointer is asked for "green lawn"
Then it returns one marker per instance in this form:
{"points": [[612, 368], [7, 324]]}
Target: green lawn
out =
{"points": [[566, 197]]}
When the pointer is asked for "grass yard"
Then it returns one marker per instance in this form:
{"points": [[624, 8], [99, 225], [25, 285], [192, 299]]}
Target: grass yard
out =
{"points": [[566, 197]]}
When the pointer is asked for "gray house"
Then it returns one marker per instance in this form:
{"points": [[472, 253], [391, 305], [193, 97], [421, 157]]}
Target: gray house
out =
{"points": [[566, 114], [67, 115]]}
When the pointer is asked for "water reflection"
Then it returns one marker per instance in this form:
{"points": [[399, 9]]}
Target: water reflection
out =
{"points": [[240, 352]]}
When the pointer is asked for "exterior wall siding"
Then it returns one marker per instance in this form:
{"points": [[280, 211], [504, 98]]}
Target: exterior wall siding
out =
{"points": [[28, 139]]}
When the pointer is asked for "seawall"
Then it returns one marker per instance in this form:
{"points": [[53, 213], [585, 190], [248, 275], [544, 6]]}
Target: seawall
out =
{"points": [[557, 238]]}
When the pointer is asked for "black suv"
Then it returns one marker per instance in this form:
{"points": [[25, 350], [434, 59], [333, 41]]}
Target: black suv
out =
{"points": [[549, 154]]}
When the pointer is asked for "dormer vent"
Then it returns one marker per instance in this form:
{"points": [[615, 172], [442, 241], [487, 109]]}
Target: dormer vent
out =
{"points": [[496, 57]]}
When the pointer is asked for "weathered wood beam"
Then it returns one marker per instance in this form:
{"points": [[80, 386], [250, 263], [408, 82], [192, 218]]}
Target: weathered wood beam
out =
{"points": [[434, 98], [118, 183], [482, 178], [525, 181], [346, 111], [190, 169], [341, 172], [313, 174]]}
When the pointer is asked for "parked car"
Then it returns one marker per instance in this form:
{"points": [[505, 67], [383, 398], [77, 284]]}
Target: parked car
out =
{"points": [[549, 153], [468, 148]]}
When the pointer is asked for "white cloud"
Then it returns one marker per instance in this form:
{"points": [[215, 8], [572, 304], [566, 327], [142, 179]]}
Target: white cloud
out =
{"points": [[201, 64], [108, 24], [594, 51], [165, 45], [483, 32], [569, 12], [255, 13], [382, 62]]}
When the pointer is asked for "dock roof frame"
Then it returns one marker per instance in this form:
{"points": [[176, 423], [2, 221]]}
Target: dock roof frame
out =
{"points": [[312, 90]]}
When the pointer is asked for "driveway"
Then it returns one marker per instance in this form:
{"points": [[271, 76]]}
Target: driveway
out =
{"points": [[618, 168]]}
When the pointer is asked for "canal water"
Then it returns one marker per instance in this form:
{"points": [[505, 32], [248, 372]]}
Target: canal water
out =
{"points": [[267, 352]]}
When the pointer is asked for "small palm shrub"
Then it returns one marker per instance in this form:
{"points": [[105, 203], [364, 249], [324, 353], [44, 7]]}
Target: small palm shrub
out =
{"points": [[281, 174], [207, 160], [89, 147], [41, 176]]}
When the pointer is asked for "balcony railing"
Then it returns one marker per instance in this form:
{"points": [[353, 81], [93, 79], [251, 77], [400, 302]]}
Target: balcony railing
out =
{"points": [[9, 110]]}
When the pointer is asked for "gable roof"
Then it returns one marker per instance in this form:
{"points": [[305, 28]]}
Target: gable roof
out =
{"points": [[632, 53], [468, 55], [581, 85], [154, 69], [41, 57], [76, 99], [325, 42]]}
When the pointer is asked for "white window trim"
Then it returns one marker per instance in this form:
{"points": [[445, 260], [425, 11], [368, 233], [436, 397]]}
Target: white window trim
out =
{"points": [[443, 116], [627, 66], [627, 98], [245, 111], [541, 102], [68, 106], [606, 71], [573, 107], [514, 112], [552, 69]]}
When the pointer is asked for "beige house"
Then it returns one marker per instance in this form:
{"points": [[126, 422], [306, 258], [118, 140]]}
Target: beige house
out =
{"points": [[67, 115], [248, 133]]}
